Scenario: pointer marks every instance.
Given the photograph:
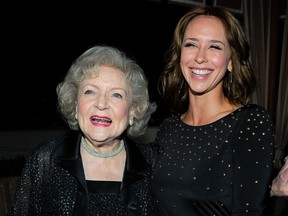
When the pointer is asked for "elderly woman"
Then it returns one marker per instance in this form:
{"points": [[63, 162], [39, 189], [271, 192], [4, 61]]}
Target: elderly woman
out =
{"points": [[96, 169]]}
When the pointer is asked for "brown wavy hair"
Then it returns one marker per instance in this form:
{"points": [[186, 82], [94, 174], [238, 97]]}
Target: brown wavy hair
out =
{"points": [[238, 86]]}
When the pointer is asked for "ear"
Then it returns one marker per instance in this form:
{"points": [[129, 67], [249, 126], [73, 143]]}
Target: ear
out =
{"points": [[230, 67]]}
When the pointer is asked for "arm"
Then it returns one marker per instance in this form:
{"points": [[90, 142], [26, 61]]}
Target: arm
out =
{"points": [[28, 192], [253, 163], [20, 204], [280, 182]]}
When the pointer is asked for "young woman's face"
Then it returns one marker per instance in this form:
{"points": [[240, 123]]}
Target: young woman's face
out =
{"points": [[205, 54], [103, 105]]}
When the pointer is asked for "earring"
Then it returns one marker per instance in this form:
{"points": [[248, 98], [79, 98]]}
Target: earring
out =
{"points": [[231, 77], [131, 121], [76, 116]]}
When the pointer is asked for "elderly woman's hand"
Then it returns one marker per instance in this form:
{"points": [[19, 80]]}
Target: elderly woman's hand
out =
{"points": [[280, 183]]}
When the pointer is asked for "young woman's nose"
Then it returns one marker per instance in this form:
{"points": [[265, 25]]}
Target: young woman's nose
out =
{"points": [[201, 56]]}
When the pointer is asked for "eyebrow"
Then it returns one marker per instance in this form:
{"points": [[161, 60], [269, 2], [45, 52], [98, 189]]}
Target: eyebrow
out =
{"points": [[213, 41], [217, 41]]}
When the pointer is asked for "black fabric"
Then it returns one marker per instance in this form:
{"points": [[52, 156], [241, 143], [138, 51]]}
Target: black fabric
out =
{"points": [[222, 168], [53, 182], [103, 187]]}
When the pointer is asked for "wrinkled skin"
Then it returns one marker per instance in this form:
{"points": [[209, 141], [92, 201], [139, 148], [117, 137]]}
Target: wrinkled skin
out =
{"points": [[280, 183]]}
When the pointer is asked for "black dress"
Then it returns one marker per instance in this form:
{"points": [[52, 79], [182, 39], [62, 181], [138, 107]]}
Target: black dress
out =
{"points": [[105, 199], [222, 168]]}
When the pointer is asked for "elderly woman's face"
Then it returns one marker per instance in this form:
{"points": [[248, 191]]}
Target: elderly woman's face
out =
{"points": [[103, 105]]}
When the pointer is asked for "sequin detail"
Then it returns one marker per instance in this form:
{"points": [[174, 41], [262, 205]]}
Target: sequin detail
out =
{"points": [[216, 169]]}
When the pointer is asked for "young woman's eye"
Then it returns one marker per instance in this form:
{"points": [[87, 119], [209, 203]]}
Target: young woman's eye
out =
{"points": [[190, 45], [216, 47], [117, 95]]}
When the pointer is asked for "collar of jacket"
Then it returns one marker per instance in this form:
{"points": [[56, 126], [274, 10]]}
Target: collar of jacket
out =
{"points": [[68, 156]]}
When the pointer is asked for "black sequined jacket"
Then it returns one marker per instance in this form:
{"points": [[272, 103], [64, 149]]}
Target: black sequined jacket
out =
{"points": [[53, 181]]}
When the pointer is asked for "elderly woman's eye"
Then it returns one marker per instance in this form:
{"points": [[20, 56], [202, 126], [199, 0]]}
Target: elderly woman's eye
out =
{"points": [[117, 95], [88, 92]]}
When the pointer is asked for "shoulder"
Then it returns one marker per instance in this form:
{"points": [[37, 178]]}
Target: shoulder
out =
{"points": [[43, 148], [254, 108], [256, 122], [39, 158], [149, 152], [172, 118], [254, 113], [43, 151], [148, 149]]}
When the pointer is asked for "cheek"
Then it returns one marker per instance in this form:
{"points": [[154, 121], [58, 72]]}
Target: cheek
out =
{"points": [[122, 112], [82, 106], [186, 57], [220, 61]]}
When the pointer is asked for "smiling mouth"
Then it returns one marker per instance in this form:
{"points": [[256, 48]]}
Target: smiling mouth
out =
{"points": [[101, 120], [200, 72]]}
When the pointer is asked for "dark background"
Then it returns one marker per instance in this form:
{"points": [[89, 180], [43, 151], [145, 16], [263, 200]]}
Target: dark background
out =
{"points": [[41, 40]]}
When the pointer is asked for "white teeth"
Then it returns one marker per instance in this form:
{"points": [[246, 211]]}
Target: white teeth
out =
{"points": [[200, 72], [101, 120]]}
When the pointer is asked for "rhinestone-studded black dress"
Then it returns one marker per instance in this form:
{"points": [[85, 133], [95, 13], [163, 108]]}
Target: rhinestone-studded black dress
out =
{"points": [[222, 168]]}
